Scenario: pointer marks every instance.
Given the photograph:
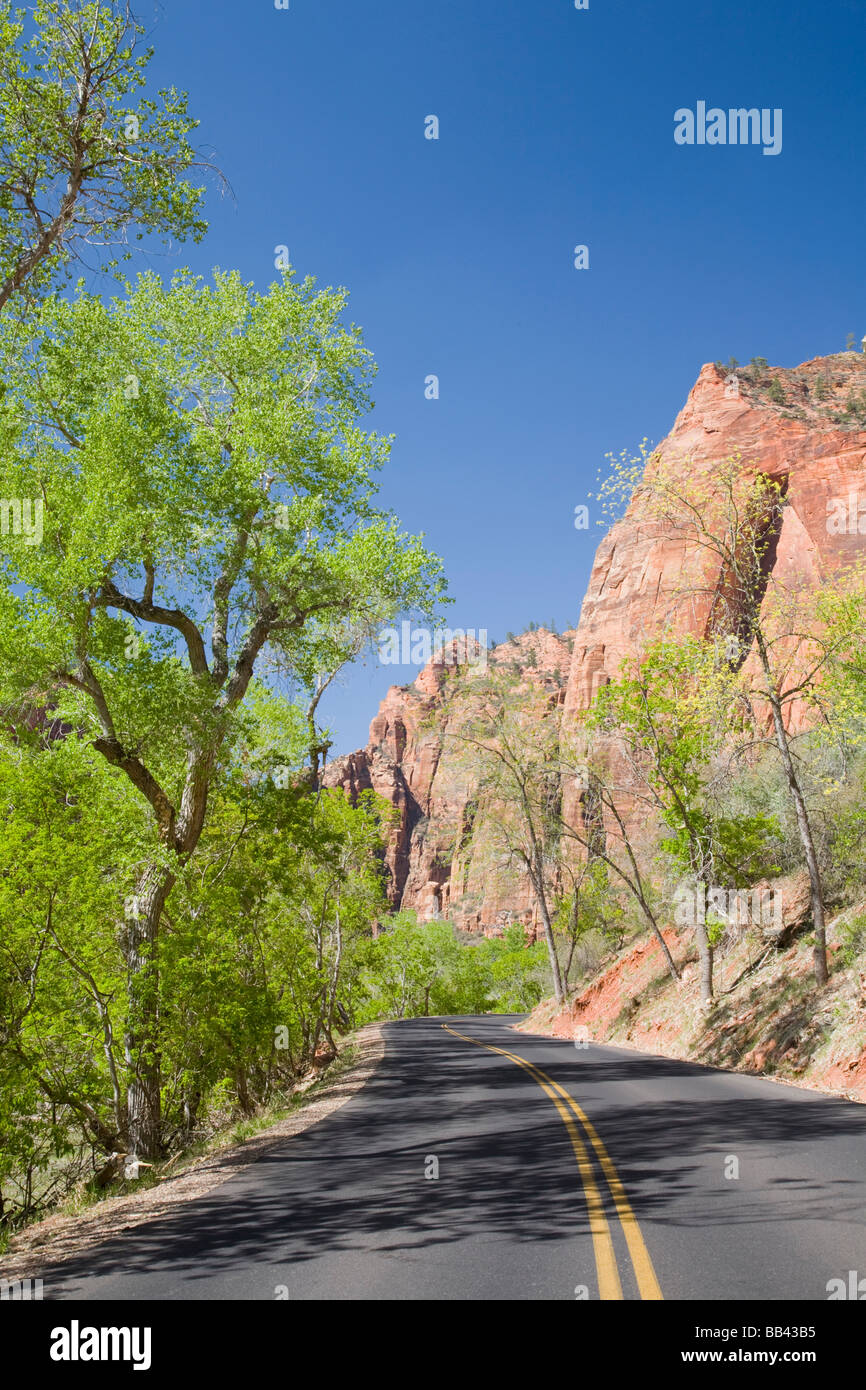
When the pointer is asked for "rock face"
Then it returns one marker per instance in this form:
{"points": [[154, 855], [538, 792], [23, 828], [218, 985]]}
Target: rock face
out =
{"points": [[807, 426], [811, 443], [411, 761]]}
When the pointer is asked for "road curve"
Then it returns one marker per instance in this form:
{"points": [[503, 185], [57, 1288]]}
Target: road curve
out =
{"points": [[480, 1163]]}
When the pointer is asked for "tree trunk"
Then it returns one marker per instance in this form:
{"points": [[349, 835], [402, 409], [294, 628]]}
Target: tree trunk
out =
{"points": [[141, 1042], [541, 899], [141, 952], [633, 883], [705, 956], [657, 932], [335, 979], [242, 1092], [701, 861], [816, 888]]}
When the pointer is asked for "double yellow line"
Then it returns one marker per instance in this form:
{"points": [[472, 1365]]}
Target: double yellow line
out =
{"points": [[609, 1286]]}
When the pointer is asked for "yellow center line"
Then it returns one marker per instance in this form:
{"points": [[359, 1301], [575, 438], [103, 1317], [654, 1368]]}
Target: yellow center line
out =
{"points": [[648, 1284], [609, 1286]]}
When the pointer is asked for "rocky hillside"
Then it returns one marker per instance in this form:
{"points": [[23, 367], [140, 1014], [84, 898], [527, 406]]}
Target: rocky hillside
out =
{"points": [[805, 427], [769, 1017], [410, 761]]}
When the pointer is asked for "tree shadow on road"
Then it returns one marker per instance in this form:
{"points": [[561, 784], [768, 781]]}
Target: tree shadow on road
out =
{"points": [[506, 1167]]}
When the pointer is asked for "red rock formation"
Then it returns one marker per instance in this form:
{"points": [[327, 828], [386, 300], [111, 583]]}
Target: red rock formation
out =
{"points": [[632, 588], [411, 763], [813, 439]]}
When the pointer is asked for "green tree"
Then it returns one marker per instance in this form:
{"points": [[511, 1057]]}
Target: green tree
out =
{"points": [[729, 518], [517, 971], [196, 456], [71, 834], [776, 392], [258, 953], [85, 158], [670, 711], [404, 963], [509, 735]]}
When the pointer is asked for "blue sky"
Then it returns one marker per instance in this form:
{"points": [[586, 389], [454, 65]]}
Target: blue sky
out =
{"points": [[556, 130]]}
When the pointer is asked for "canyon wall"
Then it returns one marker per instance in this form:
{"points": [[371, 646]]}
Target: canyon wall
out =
{"points": [[412, 760], [806, 427], [633, 588]]}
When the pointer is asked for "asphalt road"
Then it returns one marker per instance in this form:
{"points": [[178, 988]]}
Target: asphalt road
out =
{"points": [[583, 1172]]}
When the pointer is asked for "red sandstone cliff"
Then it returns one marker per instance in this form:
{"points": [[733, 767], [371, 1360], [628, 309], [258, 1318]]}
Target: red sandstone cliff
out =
{"points": [[632, 587], [408, 761], [806, 425]]}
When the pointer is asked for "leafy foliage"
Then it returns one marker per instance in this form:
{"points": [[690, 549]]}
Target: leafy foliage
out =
{"points": [[85, 158]]}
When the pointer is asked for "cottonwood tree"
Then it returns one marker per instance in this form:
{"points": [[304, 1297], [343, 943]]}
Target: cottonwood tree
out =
{"points": [[729, 517], [70, 831], [406, 961], [265, 921], [206, 484], [834, 616], [832, 622], [317, 663], [524, 756], [259, 950], [85, 158], [599, 825], [669, 710], [572, 920], [509, 736]]}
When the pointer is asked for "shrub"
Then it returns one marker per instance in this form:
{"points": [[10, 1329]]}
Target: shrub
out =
{"points": [[852, 937], [776, 392]]}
